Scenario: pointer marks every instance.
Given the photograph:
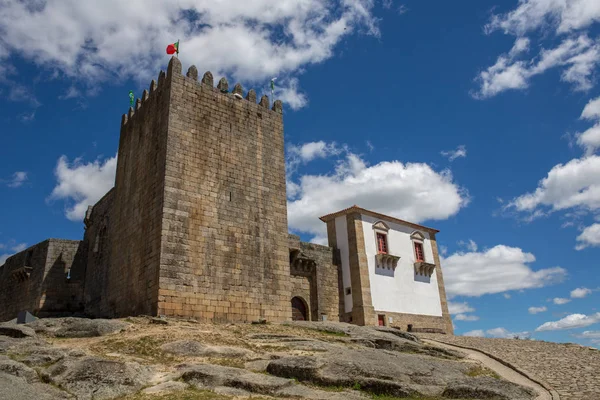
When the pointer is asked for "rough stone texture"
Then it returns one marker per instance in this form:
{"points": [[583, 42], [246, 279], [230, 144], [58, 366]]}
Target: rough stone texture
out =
{"points": [[15, 388], [11, 329], [224, 249], [34, 280], [95, 378], [192, 348], [97, 243], [77, 327], [570, 369]]}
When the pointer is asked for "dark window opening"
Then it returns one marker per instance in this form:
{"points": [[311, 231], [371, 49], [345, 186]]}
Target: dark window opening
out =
{"points": [[409, 328], [381, 320], [348, 290]]}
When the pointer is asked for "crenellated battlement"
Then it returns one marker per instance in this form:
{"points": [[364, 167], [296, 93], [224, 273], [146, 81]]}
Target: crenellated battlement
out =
{"points": [[207, 79]]}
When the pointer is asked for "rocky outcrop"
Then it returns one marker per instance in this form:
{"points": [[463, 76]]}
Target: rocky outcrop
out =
{"points": [[193, 348], [77, 327]]}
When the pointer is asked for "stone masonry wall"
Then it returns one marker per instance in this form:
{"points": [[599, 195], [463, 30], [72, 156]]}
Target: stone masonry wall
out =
{"points": [[97, 244], [327, 276], [62, 288], [224, 250], [135, 221], [18, 294], [46, 291]]}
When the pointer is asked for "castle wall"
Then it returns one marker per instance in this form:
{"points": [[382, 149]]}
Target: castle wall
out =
{"points": [[98, 244], [35, 280], [134, 226], [224, 252]]}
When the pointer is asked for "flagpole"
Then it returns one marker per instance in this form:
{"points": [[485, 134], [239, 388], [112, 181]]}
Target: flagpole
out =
{"points": [[177, 48]]}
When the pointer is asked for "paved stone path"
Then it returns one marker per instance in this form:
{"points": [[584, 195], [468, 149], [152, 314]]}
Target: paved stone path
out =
{"points": [[571, 370]]}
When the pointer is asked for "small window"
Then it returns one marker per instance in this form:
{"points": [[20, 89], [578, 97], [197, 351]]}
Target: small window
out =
{"points": [[419, 251], [348, 290], [382, 243]]}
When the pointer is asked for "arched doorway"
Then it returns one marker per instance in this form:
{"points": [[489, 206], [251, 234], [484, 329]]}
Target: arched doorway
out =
{"points": [[298, 309]]}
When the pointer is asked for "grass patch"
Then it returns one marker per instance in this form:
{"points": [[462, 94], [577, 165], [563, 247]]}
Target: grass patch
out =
{"points": [[146, 347], [481, 371], [188, 394], [334, 333], [227, 362]]}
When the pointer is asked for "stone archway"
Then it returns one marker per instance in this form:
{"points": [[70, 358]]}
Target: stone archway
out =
{"points": [[299, 309]]}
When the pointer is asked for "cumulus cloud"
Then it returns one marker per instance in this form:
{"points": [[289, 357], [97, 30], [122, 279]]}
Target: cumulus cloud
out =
{"points": [[570, 322], [475, 333], [17, 179], [578, 58], [85, 42], [496, 270], [531, 15], [459, 308], [589, 140], [536, 310], [411, 191], [593, 336], [82, 184], [464, 317], [460, 151], [590, 237], [580, 293], [560, 300], [575, 184]]}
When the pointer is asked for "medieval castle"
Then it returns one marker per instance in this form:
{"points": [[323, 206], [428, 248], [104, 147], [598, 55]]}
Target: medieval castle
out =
{"points": [[196, 226]]}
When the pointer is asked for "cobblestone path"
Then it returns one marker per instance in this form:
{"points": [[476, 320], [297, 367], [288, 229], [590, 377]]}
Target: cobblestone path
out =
{"points": [[571, 370]]}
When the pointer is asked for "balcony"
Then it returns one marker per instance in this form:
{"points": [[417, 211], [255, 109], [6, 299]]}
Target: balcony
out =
{"points": [[423, 268], [386, 260], [21, 274]]}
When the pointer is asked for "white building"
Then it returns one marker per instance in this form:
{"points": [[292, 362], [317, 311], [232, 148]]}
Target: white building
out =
{"points": [[391, 271]]}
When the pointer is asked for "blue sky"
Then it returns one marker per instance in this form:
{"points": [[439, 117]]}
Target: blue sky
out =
{"points": [[479, 119]]}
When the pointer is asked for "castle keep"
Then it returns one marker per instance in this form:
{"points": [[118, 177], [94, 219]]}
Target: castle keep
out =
{"points": [[196, 226]]}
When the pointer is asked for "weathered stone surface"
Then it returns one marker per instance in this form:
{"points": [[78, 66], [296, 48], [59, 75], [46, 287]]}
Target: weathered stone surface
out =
{"points": [[192, 348], [381, 372], [20, 370], [305, 392], [16, 331], [44, 356], [166, 387], [207, 375], [92, 377], [77, 327], [487, 388], [14, 388]]}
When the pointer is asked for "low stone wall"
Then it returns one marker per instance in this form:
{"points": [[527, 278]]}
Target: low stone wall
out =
{"points": [[418, 323]]}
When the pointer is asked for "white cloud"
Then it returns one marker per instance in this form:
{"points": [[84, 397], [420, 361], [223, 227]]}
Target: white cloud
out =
{"points": [[470, 245], [589, 139], [496, 270], [71, 93], [590, 237], [14, 248], [577, 56], [593, 336], [94, 42], [464, 317], [461, 151], [475, 333], [570, 322], [459, 308], [410, 191], [506, 334], [17, 180], [506, 296], [562, 15], [574, 184], [443, 250], [560, 300], [312, 150], [591, 111], [580, 293], [535, 310], [82, 184]]}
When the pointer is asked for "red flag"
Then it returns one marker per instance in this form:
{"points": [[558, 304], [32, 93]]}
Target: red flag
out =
{"points": [[173, 48]]}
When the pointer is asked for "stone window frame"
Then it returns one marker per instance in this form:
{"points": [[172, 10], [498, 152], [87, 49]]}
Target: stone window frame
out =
{"points": [[381, 228], [418, 238]]}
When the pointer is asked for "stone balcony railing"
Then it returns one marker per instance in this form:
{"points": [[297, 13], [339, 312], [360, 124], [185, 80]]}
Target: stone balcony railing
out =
{"points": [[423, 268], [386, 260]]}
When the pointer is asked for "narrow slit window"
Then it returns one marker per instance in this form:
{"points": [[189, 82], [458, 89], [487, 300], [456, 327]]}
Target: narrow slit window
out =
{"points": [[382, 243], [419, 252]]}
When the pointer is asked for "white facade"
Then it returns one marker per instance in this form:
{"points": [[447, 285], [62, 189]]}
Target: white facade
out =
{"points": [[341, 233], [399, 289]]}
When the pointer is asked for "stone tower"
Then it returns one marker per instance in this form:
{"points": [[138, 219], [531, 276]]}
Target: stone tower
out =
{"points": [[198, 220]]}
